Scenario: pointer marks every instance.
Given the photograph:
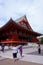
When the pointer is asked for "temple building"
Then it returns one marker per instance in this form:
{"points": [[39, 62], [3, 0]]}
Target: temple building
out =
{"points": [[18, 32]]}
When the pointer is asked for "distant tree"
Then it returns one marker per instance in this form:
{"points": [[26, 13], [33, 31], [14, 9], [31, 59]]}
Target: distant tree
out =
{"points": [[41, 39]]}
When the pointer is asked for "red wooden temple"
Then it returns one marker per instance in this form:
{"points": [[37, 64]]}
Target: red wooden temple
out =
{"points": [[18, 32]]}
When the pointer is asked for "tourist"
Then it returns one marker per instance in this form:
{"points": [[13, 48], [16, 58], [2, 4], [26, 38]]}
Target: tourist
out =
{"points": [[15, 51], [2, 47], [20, 50], [39, 49]]}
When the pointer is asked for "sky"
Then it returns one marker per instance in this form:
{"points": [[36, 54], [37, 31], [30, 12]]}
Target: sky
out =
{"points": [[33, 9]]}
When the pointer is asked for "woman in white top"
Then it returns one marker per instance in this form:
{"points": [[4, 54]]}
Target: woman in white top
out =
{"points": [[15, 51]]}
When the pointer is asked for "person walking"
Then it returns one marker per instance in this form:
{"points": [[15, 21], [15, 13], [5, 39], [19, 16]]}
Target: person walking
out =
{"points": [[15, 51], [39, 49], [20, 50], [2, 47]]}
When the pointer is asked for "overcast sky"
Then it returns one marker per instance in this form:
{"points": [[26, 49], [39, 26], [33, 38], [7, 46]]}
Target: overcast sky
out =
{"points": [[33, 9]]}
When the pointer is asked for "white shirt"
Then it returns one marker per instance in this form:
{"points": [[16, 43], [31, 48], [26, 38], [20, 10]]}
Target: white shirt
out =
{"points": [[15, 50]]}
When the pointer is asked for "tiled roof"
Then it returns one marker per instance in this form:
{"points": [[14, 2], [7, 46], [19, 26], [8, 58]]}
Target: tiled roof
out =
{"points": [[24, 23]]}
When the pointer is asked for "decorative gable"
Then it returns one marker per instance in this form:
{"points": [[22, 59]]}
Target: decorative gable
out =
{"points": [[24, 23]]}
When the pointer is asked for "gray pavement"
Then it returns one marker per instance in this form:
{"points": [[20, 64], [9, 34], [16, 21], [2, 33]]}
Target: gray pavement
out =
{"points": [[29, 54], [2, 58]]}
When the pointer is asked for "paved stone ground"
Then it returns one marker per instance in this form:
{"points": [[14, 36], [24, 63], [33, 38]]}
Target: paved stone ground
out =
{"points": [[30, 54], [2, 58], [18, 62]]}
